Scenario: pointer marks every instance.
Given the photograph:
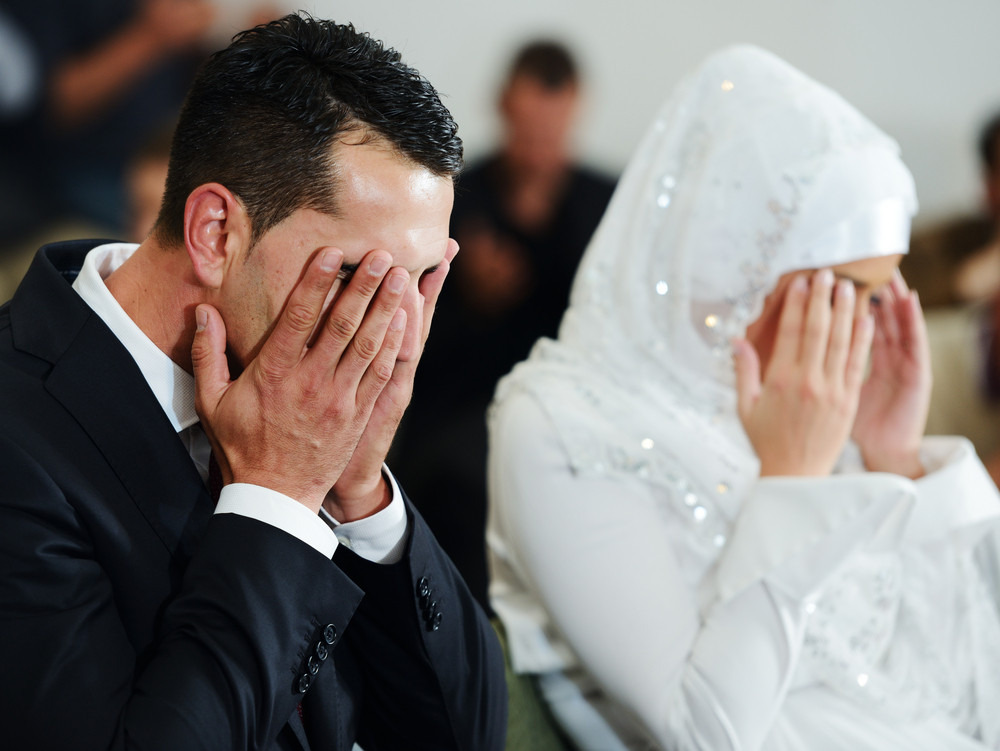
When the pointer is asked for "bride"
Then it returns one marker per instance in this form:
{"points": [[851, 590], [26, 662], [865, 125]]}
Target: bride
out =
{"points": [[715, 523]]}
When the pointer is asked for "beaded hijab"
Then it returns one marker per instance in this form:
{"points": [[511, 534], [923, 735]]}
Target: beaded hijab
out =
{"points": [[749, 170]]}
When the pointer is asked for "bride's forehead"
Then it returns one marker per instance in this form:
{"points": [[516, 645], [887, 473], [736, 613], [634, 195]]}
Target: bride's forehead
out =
{"points": [[871, 272]]}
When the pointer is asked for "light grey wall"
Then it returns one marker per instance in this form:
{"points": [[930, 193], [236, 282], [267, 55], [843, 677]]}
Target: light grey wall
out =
{"points": [[926, 71]]}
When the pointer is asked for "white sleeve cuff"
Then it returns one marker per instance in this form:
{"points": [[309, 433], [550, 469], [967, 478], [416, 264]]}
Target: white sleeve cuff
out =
{"points": [[381, 537], [278, 510]]}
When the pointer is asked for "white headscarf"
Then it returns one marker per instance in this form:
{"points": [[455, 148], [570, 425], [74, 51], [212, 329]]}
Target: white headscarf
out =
{"points": [[750, 170]]}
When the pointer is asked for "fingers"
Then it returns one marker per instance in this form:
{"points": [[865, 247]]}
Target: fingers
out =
{"points": [[912, 330], [747, 377], [841, 328], [383, 365], [854, 375], [294, 327], [355, 328], [208, 359], [887, 312], [789, 337], [817, 324], [431, 285], [915, 327]]}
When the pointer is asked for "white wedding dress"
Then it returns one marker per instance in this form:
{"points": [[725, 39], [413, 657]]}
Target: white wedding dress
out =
{"points": [[665, 595]]}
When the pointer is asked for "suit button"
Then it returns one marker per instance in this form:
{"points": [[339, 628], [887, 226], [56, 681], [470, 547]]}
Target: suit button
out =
{"points": [[322, 651], [304, 680], [435, 622], [424, 587], [330, 634], [312, 665]]}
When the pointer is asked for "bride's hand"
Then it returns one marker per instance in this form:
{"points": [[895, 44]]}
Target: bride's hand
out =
{"points": [[892, 412], [799, 417]]}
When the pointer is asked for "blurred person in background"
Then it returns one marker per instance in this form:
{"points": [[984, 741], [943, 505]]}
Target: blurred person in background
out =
{"points": [[965, 337], [145, 180], [110, 74], [97, 80], [523, 217], [957, 261], [978, 276]]}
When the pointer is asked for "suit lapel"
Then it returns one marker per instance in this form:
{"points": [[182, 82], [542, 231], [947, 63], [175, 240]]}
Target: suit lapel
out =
{"points": [[97, 381]]}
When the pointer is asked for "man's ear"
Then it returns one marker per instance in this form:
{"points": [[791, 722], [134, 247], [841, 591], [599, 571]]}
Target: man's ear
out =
{"points": [[216, 232]]}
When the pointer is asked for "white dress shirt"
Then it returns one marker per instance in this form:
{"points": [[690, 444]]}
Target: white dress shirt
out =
{"points": [[380, 537]]}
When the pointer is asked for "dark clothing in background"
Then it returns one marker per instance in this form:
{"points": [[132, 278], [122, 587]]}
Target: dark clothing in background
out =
{"points": [[442, 451], [47, 172]]}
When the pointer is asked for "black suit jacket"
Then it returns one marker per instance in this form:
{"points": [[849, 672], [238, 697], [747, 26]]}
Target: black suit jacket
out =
{"points": [[132, 617]]}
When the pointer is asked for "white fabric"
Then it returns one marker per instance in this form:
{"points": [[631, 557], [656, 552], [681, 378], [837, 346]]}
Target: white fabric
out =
{"points": [[380, 537], [632, 544], [376, 537]]}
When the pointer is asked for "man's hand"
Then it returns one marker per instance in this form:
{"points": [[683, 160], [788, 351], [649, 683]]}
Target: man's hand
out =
{"points": [[292, 419], [892, 413], [799, 418], [361, 490]]}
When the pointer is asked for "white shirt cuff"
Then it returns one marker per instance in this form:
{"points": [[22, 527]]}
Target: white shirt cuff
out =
{"points": [[381, 537], [278, 510]]}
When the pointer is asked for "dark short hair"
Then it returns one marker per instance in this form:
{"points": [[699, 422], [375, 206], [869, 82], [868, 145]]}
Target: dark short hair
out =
{"points": [[263, 115], [547, 61], [988, 138]]}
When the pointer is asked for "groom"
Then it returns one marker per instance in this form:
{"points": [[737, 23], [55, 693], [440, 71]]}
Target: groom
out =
{"points": [[200, 546]]}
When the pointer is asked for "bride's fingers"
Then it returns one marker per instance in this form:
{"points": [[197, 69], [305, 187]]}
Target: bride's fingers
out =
{"points": [[887, 314], [789, 337], [841, 329], [747, 377], [816, 334], [864, 330]]}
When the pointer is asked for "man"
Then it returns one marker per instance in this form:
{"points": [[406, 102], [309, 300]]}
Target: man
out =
{"points": [[523, 218], [297, 257]]}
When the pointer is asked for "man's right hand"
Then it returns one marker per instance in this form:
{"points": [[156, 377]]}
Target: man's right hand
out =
{"points": [[799, 418], [291, 421]]}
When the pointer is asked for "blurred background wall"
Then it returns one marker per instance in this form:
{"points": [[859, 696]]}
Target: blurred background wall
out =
{"points": [[927, 72]]}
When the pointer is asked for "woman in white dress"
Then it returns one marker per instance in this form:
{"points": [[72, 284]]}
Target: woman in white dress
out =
{"points": [[710, 526]]}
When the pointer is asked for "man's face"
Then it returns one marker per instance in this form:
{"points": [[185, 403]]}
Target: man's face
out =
{"points": [[385, 203], [538, 122]]}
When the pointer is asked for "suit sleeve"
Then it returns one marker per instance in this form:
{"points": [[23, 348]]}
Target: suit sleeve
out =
{"points": [[224, 670], [432, 665]]}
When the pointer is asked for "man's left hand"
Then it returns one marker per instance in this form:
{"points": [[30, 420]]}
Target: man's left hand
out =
{"points": [[361, 489]]}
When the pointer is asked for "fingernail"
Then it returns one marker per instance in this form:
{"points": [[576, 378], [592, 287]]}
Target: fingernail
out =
{"points": [[378, 266], [396, 282], [825, 277], [330, 260], [398, 321], [200, 319], [800, 284], [845, 289]]}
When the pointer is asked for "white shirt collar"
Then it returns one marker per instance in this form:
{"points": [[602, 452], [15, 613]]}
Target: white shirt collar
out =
{"points": [[171, 385]]}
